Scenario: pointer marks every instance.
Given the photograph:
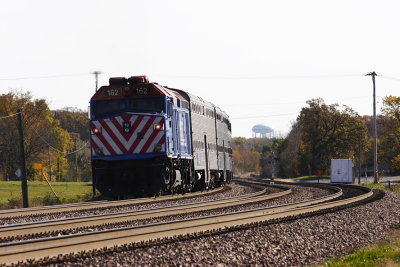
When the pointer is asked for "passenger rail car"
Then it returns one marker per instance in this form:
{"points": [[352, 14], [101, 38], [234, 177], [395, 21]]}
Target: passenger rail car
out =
{"points": [[147, 139]]}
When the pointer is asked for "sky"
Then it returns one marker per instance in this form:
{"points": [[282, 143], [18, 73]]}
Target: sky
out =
{"points": [[260, 61]]}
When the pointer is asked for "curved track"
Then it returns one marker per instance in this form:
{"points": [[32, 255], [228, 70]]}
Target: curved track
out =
{"points": [[39, 227], [97, 204], [18, 251]]}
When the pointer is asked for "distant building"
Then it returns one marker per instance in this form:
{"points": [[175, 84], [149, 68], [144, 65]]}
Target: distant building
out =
{"points": [[262, 131]]}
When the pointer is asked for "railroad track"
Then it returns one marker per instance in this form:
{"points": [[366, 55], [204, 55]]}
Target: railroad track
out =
{"points": [[59, 225], [97, 204], [49, 247]]}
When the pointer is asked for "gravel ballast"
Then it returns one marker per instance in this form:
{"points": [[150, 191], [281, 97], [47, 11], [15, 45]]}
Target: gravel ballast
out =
{"points": [[300, 193], [231, 191], [297, 242]]}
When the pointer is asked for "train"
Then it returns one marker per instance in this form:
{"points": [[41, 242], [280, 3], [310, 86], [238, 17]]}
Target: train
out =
{"points": [[147, 139]]}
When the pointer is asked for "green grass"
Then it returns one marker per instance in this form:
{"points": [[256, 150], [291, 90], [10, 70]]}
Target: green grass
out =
{"points": [[395, 187], [385, 253], [39, 193]]}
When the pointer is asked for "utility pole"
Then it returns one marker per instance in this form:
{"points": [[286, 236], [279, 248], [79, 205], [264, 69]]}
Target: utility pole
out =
{"points": [[373, 74], [359, 158], [76, 163], [24, 183], [50, 173], [96, 75], [59, 169]]}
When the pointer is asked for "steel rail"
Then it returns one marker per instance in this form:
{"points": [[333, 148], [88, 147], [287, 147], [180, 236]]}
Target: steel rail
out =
{"points": [[96, 204], [96, 220], [49, 247]]}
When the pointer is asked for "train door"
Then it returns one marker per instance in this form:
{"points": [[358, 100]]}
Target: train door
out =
{"points": [[207, 178], [177, 141], [184, 132], [188, 134], [171, 125], [223, 150]]}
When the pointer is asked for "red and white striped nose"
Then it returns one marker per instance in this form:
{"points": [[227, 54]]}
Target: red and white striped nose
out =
{"points": [[129, 134]]}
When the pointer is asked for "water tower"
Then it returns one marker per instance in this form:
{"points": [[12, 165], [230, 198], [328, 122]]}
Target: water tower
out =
{"points": [[262, 131]]}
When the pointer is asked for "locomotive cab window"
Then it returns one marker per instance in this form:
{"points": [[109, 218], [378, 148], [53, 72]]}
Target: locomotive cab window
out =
{"points": [[170, 108], [104, 108], [146, 105]]}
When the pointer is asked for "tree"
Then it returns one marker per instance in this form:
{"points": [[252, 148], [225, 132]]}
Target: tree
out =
{"points": [[79, 160], [290, 154], [270, 158], [246, 154], [324, 132], [74, 121], [389, 144], [40, 131]]}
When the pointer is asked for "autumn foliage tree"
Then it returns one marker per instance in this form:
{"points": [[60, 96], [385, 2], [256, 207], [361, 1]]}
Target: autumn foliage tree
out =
{"points": [[323, 132], [246, 155], [329, 133], [389, 145], [76, 122], [40, 131], [270, 160]]}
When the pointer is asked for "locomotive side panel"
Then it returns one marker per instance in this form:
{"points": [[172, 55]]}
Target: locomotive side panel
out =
{"points": [[212, 121], [226, 124], [179, 142], [204, 135], [224, 143]]}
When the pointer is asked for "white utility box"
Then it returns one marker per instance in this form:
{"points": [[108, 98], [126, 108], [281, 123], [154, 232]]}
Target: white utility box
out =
{"points": [[341, 171]]}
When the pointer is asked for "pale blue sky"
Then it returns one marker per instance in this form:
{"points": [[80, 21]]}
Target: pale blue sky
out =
{"points": [[252, 58]]}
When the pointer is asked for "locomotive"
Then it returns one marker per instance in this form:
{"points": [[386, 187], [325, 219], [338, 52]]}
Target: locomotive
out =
{"points": [[147, 139]]}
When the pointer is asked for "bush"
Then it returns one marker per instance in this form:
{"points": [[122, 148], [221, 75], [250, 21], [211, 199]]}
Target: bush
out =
{"points": [[14, 203], [50, 200]]}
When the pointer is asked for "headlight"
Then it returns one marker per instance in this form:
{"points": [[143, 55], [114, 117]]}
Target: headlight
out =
{"points": [[96, 131], [158, 127]]}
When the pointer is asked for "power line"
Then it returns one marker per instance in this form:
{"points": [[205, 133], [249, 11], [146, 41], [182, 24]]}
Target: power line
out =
{"points": [[389, 77], [263, 116], [43, 77], [12, 115], [59, 151], [291, 103], [239, 77], [278, 115]]}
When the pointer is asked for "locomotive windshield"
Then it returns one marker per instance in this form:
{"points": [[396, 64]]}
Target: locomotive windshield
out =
{"points": [[104, 108], [147, 104]]}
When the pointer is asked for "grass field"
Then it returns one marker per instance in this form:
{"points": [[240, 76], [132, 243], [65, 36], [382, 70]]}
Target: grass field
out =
{"points": [[383, 253], [394, 187], [311, 177], [40, 193]]}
